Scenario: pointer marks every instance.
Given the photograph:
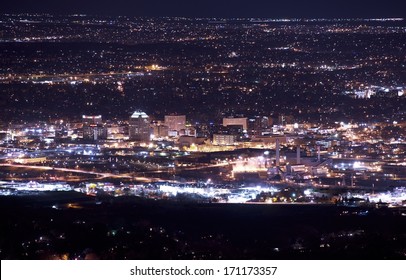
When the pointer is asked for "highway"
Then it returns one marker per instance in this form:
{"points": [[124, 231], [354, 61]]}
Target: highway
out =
{"points": [[101, 175]]}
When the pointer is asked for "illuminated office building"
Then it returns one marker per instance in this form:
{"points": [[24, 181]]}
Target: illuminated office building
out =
{"points": [[139, 127]]}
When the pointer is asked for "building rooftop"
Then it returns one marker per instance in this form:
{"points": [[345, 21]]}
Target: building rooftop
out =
{"points": [[139, 114]]}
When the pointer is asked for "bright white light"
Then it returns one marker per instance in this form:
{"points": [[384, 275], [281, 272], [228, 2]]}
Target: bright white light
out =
{"points": [[87, 153], [307, 192], [237, 199], [357, 164]]}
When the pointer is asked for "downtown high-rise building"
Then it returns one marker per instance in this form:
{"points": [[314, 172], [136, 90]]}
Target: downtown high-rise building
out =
{"points": [[175, 123], [93, 128], [139, 127]]}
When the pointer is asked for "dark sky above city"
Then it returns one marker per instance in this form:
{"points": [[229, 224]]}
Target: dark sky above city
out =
{"points": [[216, 8]]}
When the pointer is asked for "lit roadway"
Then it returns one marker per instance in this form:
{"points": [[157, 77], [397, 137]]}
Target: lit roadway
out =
{"points": [[221, 164], [111, 175], [102, 175], [82, 171], [68, 75]]}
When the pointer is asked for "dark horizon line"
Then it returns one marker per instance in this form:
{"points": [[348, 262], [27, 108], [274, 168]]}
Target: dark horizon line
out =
{"points": [[393, 18]]}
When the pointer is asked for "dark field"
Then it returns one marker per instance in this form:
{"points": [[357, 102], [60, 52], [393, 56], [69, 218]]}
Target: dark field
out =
{"points": [[131, 228]]}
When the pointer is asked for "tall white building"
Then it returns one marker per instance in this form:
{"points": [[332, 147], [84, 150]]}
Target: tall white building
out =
{"points": [[139, 127]]}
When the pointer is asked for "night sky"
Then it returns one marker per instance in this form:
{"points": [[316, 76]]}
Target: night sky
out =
{"points": [[216, 8]]}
